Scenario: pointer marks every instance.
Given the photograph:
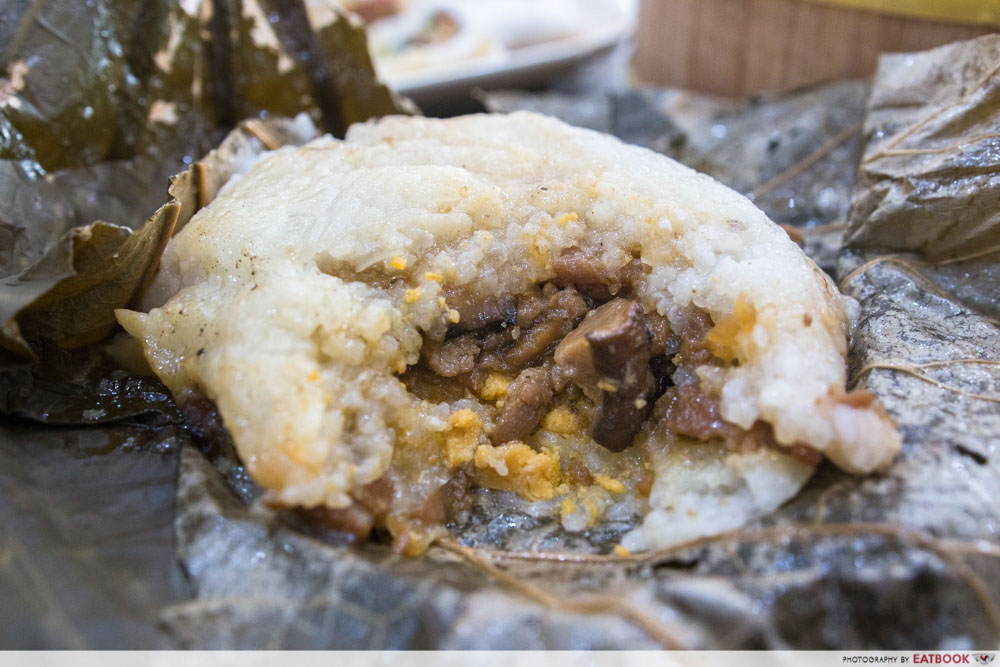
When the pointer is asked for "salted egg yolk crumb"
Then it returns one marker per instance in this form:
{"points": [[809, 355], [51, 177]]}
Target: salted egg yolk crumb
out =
{"points": [[461, 437], [516, 467], [494, 387], [609, 484], [561, 420]]}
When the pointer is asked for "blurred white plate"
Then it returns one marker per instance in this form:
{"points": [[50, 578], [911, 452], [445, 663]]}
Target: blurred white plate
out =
{"points": [[607, 23]]}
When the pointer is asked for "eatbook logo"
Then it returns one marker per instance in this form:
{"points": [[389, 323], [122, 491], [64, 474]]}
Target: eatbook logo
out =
{"points": [[984, 658]]}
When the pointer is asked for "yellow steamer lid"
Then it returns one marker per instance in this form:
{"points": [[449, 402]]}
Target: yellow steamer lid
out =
{"points": [[982, 12]]}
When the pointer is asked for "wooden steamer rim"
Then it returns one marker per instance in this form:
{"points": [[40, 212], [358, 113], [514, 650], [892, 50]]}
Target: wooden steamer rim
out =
{"points": [[741, 47]]}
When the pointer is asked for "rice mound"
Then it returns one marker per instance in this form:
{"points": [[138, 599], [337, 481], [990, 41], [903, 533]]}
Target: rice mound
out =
{"points": [[296, 298]]}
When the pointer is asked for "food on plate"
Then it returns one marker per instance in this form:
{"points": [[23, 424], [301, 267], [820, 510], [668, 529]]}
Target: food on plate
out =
{"points": [[371, 11], [429, 307], [435, 35]]}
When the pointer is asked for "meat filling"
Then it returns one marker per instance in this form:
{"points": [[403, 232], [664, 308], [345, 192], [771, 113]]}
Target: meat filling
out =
{"points": [[608, 357], [562, 312], [476, 313], [582, 267], [686, 410], [582, 333], [453, 357], [528, 399]]}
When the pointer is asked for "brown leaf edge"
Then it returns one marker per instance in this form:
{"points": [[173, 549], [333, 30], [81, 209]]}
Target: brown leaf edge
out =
{"points": [[70, 294]]}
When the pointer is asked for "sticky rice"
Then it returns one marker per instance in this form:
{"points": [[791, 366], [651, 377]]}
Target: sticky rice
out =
{"points": [[338, 301]]}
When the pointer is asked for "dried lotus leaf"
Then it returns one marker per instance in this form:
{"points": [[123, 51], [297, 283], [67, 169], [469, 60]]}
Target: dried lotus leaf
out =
{"points": [[928, 181], [102, 102]]}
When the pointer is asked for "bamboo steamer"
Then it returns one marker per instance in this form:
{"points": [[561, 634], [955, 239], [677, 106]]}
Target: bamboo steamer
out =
{"points": [[738, 47]]}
